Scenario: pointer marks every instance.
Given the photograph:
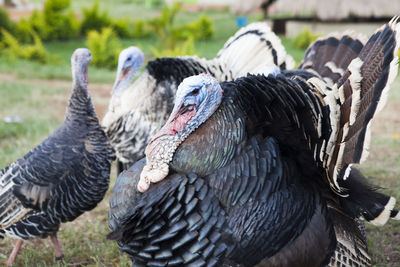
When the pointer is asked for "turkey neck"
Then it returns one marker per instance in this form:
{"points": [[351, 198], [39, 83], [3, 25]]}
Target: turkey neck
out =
{"points": [[80, 105], [215, 142]]}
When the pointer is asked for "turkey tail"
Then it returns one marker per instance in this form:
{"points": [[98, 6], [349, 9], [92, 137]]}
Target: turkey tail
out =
{"points": [[359, 94], [330, 56], [364, 200], [351, 247], [251, 49]]}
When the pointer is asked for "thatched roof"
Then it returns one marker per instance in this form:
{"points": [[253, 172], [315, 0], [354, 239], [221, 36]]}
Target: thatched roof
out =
{"points": [[337, 9]]}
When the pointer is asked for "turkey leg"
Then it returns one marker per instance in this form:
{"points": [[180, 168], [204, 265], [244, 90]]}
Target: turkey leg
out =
{"points": [[14, 252], [57, 248]]}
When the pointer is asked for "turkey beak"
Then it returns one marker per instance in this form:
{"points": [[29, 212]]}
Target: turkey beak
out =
{"points": [[181, 110], [123, 73]]}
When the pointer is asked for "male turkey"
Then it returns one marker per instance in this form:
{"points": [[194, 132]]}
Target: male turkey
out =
{"points": [[145, 106], [64, 176], [245, 167]]}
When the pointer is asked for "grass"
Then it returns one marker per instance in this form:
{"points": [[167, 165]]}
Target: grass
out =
{"points": [[28, 91]]}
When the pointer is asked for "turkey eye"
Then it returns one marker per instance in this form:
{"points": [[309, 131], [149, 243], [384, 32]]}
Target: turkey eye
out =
{"points": [[195, 91], [129, 58]]}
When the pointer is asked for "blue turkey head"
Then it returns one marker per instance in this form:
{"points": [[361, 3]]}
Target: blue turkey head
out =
{"points": [[197, 98], [130, 61]]}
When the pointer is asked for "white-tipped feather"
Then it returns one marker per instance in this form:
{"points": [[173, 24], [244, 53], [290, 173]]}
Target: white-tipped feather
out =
{"points": [[355, 79], [397, 217], [332, 66], [347, 172], [385, 214], [269, 70], [367, 142], [244, 54]]}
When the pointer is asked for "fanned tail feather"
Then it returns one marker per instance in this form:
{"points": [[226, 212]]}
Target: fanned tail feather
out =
{"points": [[330, 56], [362, 93], [251, 49], [358, 95], [364, 200]]}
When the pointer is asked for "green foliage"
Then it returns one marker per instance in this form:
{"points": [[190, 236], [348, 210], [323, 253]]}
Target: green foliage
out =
{"points": [[13, 49], [186, 48], [163, 26], [398, 53], [60, 24], [170, 36], [94, 20], [23, 31], [105, 47], [56, 5], [121, 28], [5, 22], [10, 45], [140, 29], [54, 23], [304, 39], [201, 29], [38, 24]]}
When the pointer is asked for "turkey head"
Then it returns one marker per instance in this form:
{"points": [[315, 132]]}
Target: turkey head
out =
{"points": [[197, 98]]}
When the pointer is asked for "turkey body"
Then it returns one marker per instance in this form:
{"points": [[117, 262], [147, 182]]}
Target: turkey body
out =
{"points": [[259, 169], [64, 176], [147, 103], [250, 202], [220, 219]]}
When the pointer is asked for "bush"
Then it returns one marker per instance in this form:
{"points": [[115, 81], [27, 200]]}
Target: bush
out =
{"points": [[23, 31], [170, 35], [61, 25], [121, 28], [37, 23], [304, 39], [94, 20], [186, 48], [5, 22], [105, 47], [201, 29], [34, 52], [140, 29], [55, 23]]}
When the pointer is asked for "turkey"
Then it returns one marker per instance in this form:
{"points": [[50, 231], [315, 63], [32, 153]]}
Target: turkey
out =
{"points": [[130, 61], [144, 106], [61, 178], [243, 168]]}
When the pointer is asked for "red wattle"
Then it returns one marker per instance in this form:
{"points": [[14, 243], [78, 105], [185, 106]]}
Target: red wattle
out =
{"points": [[174, 126]]}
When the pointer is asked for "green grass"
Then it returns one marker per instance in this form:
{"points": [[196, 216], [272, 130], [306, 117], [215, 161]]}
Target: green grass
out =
{"points": [[30, 104]]}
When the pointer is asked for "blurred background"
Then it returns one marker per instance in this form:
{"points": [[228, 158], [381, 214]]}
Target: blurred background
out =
{"points": [[37, 38]]}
